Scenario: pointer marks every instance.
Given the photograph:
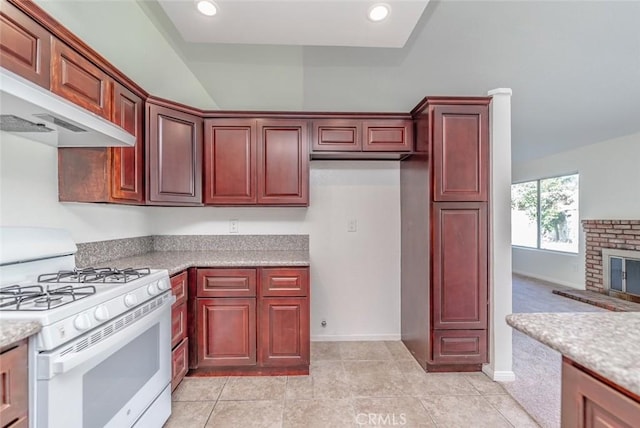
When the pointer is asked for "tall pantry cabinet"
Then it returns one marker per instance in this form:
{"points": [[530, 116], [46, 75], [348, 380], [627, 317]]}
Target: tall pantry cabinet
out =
{"points": [[445, 223]]}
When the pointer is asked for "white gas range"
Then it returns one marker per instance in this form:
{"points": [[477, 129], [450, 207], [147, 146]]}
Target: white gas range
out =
{"points": [[102, 357]]}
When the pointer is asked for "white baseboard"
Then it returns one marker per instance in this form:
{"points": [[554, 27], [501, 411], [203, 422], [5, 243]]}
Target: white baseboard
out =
{"points": [[353, 337], [550, 279], [498, 375]]}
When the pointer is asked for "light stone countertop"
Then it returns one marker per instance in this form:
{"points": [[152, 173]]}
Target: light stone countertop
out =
{"points": [[607, 343], [14, 331], [177, 261]]}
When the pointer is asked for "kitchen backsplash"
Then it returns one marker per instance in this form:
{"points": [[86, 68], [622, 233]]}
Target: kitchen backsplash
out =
{"points": [[231, 242], [95, 253]]}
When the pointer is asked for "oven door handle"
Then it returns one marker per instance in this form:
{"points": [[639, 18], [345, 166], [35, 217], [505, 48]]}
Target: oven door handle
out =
{"points": [[54, 365]]}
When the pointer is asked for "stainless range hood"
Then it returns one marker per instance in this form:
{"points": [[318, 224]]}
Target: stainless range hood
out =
{"points": [[33, 112]]}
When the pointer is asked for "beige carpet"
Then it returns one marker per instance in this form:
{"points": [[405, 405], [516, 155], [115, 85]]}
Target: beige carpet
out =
{"points": [[536, 366]]}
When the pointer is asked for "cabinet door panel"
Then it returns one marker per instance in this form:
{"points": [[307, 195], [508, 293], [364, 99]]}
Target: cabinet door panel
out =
{"points": [[460, 346], [226, 332], [284, 331], [590, 403], [388, 136], [336, 135], [78, 80], [282, 282], [227, 282], [179, 362], [179, 287], [460, 153], [230, 161], [25, 46], [178, 323], [174, 157], [15, 390], [128, 162], [283, 163], [459, 288]]}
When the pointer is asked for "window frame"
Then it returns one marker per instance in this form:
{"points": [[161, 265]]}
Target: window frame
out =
{"points": [[539, 212]]}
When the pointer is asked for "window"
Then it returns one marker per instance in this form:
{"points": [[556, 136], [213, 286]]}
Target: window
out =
{"points": [[544, 214]]}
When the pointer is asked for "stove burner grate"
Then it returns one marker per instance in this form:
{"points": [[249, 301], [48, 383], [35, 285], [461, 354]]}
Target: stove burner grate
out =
{"points": [[95, 275], [37, 298]]}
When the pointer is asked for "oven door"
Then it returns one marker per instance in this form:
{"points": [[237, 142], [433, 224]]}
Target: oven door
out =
{"points": [[112, 375]]}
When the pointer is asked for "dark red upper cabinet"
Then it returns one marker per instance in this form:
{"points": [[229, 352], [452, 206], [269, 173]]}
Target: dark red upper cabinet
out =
{"points": [[79, 80], [127, 183], [25, 46], [283, 162], [230, 161], [387, 135], [460, 149], [174, 157]]}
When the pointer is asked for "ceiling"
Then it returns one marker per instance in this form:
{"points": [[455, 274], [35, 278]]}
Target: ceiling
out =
{"points": [[573, 66], [301, 22]]}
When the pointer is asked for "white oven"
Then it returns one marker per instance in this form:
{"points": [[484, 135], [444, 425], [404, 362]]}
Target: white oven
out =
{"points": [[115, 376], [103, 355]]}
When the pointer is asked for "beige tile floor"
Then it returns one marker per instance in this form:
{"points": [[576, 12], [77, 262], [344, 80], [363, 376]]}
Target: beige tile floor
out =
{"points": [[352, 384]]}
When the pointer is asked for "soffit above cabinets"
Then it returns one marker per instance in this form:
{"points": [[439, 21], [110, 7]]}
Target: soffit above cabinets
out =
{"points": [[296, 22]]}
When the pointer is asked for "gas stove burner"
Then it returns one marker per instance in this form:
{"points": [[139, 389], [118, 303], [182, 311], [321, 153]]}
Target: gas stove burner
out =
{"points": [[48, 301], [94, 275], [36, 298], [75, 275], [117, 275]]}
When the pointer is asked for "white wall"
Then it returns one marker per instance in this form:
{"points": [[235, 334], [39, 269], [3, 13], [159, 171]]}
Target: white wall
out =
{"points": [[355, 276], [29, 197], [609, 189]]}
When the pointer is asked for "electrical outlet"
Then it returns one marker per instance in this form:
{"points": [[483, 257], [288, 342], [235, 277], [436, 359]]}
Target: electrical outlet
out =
{"points": [[352, 225], [233, 226]]}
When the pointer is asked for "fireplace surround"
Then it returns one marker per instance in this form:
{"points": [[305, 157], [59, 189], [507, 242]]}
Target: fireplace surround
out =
{"points": [[609, 235]]}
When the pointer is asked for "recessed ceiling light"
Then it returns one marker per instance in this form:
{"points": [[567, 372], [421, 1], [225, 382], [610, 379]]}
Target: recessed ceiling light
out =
{"points": [[378, 12], [207, 7]]}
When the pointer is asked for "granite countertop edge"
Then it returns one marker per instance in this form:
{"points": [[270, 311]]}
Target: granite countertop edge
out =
{"points": [[605, 342], [14, 331], [177, 261]]}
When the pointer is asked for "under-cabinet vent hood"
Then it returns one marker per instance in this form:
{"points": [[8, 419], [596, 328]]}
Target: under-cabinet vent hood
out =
{"points": [[35, 113]]}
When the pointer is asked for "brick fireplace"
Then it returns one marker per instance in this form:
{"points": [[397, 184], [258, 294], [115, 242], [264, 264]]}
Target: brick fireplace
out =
{"points": [[607, 234]]}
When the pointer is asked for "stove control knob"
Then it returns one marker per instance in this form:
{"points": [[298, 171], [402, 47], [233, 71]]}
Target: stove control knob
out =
{"points": [[101, 313], [163, 285], [152, 289], [130, 300], [82, 322]]}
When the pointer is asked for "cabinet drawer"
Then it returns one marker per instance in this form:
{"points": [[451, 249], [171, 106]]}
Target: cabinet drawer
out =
{"points": [[179, 288], [178, 323], [588, 402], [15, 390], [336, 135], [78, 80], [226, 283], [460, 346], [179, 362], [284, 282], [25, 46], [388, 136]]}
